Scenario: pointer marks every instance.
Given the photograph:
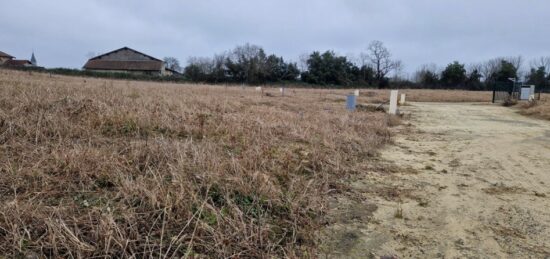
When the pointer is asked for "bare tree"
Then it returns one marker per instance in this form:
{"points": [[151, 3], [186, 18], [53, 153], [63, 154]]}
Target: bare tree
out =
{"points": [[518, 64], [363, 62], [204, 64], [489, 68], [218, 66], [474, 67], [541, 62], [398, 73], [380, 58], [427, 71], [172, 63]]}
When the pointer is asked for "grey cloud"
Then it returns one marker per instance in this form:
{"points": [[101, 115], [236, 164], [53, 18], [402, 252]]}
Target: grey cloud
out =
{"points": [[422, 31]]}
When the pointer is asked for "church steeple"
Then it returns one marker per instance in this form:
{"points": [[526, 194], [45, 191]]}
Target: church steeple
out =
{"points": [[33, 60]]}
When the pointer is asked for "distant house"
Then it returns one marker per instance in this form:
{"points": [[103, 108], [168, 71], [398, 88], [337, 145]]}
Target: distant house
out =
{"points": [[4, 57], [18, 63], [7, 60], [127, 60]]}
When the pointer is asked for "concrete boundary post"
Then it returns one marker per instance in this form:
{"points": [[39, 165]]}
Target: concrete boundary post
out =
{"points": [[393, 102]]}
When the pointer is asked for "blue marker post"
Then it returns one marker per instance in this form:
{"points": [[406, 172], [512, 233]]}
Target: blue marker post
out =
{"points": [[350, 102]]}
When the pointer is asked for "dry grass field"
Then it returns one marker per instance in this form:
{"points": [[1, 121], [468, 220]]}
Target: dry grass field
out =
{"points": [[90, 167], [93, 167]]}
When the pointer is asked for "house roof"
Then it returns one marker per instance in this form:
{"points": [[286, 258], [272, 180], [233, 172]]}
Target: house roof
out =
{"points": [[125, 48], [124, 65], [5, 55], [17, 63]]}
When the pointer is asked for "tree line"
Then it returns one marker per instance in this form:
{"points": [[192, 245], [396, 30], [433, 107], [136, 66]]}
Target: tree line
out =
{"points": [[250, 64], [485, 75]]}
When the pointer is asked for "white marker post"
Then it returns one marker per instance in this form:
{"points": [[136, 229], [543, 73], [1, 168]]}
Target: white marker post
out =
{"points": [[259, 90], [356, 92], [532, 95], [402, 102], [282, 90], [393, 102]]}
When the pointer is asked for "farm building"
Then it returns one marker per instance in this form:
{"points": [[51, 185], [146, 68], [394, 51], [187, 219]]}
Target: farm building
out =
{"points": [[127, 60], [7, 60], [4, 57]]}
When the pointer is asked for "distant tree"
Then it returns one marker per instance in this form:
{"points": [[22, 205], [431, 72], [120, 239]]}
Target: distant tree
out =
{"points": [[427, 76], [540, 72], [329, 68], [474, 80], [279, 70], [429, 79], [506, 71], [244, 64], [199, 69], [247, 64], [366, 69], [366, 75], [541, 62], [381, 61], [218, 68], [193, 72], [172, 63], [517, 63], [501, 69], [454, 75], [538, 77], [489, 69]]}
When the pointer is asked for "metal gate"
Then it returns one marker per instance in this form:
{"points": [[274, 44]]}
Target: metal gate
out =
{"points": [[505, 91]]}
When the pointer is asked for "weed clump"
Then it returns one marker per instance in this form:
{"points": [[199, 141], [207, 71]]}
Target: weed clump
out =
{"points": [[509, 102]]}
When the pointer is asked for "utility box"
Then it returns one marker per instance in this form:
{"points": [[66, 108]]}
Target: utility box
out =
{"points": [[350, 102], [526, 92]]}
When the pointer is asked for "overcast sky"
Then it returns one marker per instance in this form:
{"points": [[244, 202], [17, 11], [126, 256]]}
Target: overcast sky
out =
{"points": [[63, 32]]}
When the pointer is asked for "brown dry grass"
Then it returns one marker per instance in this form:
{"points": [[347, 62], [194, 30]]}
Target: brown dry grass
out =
{"points": [[539, 109], [90, 167]]}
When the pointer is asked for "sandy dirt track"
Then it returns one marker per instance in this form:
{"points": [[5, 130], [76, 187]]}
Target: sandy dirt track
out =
{"points": [[461, 181]]}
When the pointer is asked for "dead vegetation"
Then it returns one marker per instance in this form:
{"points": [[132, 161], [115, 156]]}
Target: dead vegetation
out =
{"points": [[499, 189], [539, 109], [509, 102], [94, 168]]}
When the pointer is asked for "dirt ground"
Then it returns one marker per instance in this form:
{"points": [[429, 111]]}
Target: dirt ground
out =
{"points": [[464, 181]]}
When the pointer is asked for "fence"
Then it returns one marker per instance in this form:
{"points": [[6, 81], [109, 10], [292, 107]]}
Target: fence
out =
{"points": [[503, 91]]}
